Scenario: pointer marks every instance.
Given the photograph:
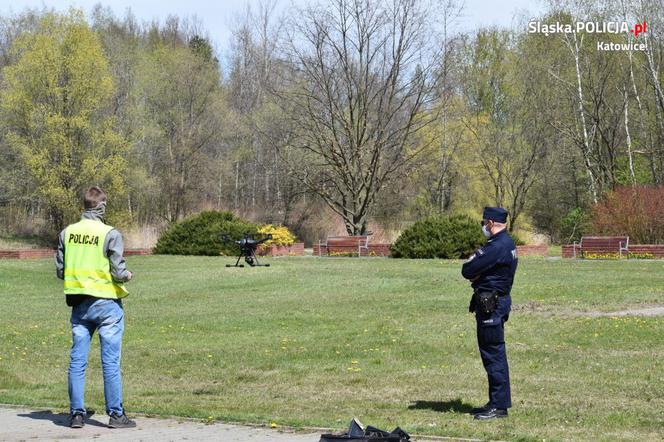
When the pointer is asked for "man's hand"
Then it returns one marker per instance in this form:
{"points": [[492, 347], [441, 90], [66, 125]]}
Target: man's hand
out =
{"points": [[131, 275]]}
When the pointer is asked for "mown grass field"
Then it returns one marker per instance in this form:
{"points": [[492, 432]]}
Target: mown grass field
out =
{"points": [[314, 342]]}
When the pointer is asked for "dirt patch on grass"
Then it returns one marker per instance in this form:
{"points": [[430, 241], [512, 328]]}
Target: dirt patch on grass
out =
{"points": [[643, 311], [551, 310], [530, 307]]}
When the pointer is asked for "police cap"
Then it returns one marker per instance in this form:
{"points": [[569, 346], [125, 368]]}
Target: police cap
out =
{"points": [[496, 214]]}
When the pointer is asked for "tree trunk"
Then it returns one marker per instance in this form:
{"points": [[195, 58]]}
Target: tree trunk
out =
{"points": [[629, 139], [582, 117]]}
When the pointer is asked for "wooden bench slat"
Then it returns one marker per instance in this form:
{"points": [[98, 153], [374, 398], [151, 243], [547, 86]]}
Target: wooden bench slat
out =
{"points": [[344, 244], [602, 244]]}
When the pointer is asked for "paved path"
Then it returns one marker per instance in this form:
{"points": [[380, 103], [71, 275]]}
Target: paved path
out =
{"points": [[18, 424]]}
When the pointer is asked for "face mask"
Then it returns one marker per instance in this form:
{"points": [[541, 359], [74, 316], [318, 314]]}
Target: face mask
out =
{"points": [[486, 231]]}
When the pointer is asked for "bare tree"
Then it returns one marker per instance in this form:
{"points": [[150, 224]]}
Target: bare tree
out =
{"points": [[252, 68], [361, 74], [654, 10], [440, 191]]}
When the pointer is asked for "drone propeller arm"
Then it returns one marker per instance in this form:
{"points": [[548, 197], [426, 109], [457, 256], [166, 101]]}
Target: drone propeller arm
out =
{"points": [[267, 238], [225, 237]]}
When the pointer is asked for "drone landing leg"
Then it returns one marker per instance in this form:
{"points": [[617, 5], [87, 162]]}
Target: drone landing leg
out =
{"points": [[237, 263], [257, 263]]}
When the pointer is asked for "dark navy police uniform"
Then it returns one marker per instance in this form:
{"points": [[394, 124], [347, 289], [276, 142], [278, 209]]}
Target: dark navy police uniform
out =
{"points": [[492, 268]]}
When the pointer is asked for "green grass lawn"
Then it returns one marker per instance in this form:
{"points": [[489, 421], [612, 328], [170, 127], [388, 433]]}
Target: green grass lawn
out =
{"points": [[314, 342]]}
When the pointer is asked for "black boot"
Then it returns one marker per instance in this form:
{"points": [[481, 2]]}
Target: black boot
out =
{"points": [[491, 413], [482, 409]]}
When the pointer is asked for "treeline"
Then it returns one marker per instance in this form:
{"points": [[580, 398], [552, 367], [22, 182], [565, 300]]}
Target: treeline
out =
{"points": [[355, 113]]}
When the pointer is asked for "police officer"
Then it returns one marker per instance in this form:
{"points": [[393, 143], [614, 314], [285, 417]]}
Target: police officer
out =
{"points": [[491, 270], [89, 260]]}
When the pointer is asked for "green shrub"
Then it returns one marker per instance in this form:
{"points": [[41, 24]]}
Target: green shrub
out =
{"points": [[574, 225], [201, 235], [439, 237]]}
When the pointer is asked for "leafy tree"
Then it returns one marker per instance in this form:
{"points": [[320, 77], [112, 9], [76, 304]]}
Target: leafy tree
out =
{"points": [[201, 47], [574, 225], [509, 139], [55, 101]]}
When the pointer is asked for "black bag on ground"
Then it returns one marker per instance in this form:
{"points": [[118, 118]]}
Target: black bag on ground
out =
{"points": [[358, 433]]}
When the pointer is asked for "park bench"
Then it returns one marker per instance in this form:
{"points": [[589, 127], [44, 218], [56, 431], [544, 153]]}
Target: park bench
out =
{"points": [[601, 245], [344, 244]]}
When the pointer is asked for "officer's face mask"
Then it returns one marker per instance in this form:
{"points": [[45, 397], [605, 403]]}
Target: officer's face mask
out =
{"points": [[486, 230]]}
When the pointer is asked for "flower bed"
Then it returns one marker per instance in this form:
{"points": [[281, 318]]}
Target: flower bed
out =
{"points": [[656, 250], [636, 251]]}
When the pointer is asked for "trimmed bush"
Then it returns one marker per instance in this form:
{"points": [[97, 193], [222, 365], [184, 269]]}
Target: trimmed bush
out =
{"points": [[440, 237], [201, 235]]}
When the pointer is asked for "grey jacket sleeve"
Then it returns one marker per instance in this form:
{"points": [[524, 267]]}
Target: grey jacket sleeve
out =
{"points": [[114, 248], [60, 256]]}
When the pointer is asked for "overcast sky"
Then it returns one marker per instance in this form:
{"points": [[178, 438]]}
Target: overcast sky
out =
{"points": [[217, 16]]}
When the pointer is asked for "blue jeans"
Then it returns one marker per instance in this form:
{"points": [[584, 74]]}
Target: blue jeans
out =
{"points": [[106, 316]]}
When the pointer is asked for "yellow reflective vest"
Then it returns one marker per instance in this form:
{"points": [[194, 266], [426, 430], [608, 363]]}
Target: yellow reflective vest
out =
{"points": [[87, 268]]}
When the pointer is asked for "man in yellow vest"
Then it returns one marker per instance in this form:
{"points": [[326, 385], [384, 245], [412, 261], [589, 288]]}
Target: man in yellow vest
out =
{"points": [[89, 260]]}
